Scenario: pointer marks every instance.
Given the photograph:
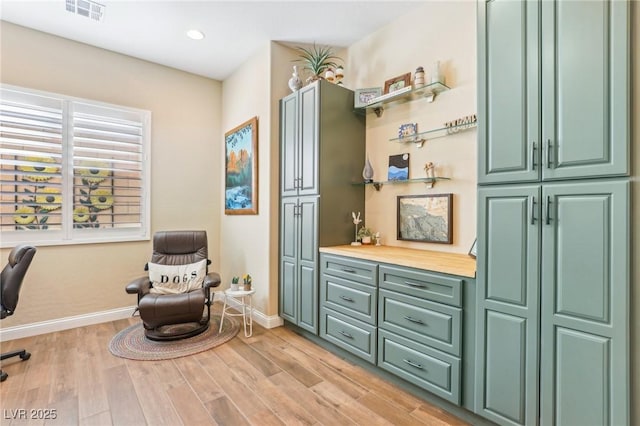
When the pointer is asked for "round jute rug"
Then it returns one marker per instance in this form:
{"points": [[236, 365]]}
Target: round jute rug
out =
{"points": [[131, 343]]}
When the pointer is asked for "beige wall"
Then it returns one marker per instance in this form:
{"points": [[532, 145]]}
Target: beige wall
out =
{"points": [[65, 281], [439, 31]]}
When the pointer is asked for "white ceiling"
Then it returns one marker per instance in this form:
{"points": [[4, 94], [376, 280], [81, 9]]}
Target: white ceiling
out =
{"points": [[154, 30]]}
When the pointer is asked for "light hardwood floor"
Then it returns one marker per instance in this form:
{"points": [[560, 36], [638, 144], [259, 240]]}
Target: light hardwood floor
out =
{"points": [[275, 377]]}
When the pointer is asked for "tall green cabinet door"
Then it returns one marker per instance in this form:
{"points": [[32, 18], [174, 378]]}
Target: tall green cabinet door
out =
{"points": [[508, 91], [289, 249], [308, 263], [289, 145], [507, 329], [309, 99], [585, 311], [585, 88]]}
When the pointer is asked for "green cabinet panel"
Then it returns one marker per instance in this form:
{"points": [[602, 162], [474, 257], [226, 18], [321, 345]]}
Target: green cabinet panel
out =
{"points": [[422, 284], [289, 259], [349, 297], [421, 365], [289, 145], [585, 293], [507, 305], [585, 118], [352, 335], [508, 91], [351, 269], [309, 128], [553, 98]]}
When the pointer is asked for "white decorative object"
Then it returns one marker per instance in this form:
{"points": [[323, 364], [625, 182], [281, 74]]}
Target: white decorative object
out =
{"points": [[377, 236], [418, 79], [367, 172], [294, 82], [430, 168], [356, 222], [329, 75]]}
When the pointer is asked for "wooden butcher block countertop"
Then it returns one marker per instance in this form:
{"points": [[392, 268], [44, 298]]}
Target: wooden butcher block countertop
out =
{"points": [[436, 261]]}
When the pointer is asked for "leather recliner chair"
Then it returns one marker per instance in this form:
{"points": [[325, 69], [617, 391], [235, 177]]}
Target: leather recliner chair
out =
{"points": [[10, 282], [176, 316]]}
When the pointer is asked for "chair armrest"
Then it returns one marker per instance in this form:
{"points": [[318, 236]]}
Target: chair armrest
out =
{"points": [[139, 286], [212, 279]]}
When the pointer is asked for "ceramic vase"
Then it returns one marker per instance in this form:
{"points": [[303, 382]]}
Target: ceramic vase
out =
{"points": [[367, 172], [294, 82]]}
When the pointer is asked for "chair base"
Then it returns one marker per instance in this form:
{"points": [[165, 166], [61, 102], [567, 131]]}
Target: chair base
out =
{"points": [[22, 353], [175, 331]]}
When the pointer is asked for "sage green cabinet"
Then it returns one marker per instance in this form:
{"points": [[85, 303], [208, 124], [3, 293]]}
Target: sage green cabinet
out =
{"points": [[553, 96], [552, 316], [322, 144], [298, 259]]}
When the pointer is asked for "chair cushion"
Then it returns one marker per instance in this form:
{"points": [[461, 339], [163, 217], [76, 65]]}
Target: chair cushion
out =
{"points": [[174, 279]]}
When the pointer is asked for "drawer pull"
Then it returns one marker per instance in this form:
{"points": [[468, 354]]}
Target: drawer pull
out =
{"points": [[410, 284], [417, 321], [413, 364], [351, 271], [345, 334], [348, 299]]}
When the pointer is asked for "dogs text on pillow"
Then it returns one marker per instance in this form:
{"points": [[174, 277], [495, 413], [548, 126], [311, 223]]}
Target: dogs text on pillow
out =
{"points": [[173, 279]]}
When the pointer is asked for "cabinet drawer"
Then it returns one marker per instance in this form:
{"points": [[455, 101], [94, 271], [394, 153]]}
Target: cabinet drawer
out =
{"points": [[433, 324], [350, 334], [350, 298], [350, 269], [425, 285], [425, 367]]}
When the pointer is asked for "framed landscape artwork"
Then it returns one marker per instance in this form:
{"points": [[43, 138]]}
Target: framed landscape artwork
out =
{"points": [[241, 169], [426, 218]]}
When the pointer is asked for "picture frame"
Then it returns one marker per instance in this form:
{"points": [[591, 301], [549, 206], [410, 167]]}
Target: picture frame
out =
{"points": [[473, 251], [398, 167], [241, 169], [407, 130], [425, 218], [363, 97], [397, 83]]}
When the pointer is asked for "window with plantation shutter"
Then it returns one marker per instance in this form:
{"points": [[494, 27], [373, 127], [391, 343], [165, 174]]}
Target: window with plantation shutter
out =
{"points": [[73, 170]]}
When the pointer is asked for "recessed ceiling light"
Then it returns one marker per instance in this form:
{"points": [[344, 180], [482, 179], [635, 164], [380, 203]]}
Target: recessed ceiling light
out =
{"points": [[195, 34]]}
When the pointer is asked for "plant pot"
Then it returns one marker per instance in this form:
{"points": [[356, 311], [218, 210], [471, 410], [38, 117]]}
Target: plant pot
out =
{"points": [[235, 287], [247, 287], [366, 240]]}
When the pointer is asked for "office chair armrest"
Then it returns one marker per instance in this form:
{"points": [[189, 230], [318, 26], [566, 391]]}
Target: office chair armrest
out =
{"points": [[212, 279], [139, 286]]}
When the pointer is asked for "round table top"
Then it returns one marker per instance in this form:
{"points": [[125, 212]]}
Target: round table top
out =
{"points": [[230, 292]]}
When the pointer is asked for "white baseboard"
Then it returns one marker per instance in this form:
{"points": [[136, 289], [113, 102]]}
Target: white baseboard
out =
{"points": [[50, 326], [60, 324], [272, 321]]}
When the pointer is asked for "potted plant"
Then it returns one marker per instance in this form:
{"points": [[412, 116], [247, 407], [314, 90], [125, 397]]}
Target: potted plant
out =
{"points": [[246, 280], [317, 59], [365, 234], [234, 283]]}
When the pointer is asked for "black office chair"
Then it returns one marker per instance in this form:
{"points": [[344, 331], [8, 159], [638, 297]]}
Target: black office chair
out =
{"points": [[10, 283]]}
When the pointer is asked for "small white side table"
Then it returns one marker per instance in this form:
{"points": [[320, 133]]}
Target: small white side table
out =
{"points": [[244, 298]]}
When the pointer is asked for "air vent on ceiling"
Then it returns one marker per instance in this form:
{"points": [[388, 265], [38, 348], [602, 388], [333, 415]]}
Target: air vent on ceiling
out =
{"points": [[86, 8]]}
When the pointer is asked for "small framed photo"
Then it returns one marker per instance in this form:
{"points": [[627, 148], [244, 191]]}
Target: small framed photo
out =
{"points": [[363, 97], [407, 130], [397, 83], [426, 218], [473, 251], [398, 167]]}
